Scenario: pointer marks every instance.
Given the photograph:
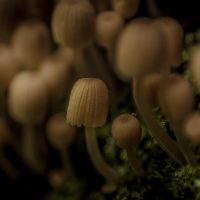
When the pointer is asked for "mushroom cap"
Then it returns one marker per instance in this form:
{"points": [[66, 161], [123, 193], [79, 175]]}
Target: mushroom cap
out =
{"points": [[9, 66], [126, 130], [108, 26], [28, 98], [176, 98], [173, 33], [195, 65], [57, 71], [88, 103], [139, 49], [31, 43], [60, 134], [192, 128], [126, 8], [73, 23]]}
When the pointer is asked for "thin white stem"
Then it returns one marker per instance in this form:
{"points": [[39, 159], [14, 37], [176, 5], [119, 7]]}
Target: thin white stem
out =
{"points": [[166, 142], [135, 163], [96, 157]]}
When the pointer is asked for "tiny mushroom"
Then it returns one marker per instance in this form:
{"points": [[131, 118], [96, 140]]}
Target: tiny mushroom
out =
{"points": [[126, 131]]}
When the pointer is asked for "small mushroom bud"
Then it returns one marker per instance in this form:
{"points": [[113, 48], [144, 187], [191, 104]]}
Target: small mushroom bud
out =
{"points": [[108, 26], [139, 49], [61, 136], [57, 71], [31, 43], [194, 65], [192, 128], [27, 103], [126, 8], [73, 23], [176, 100], [126, 131], [173, 34], [88, 107]]}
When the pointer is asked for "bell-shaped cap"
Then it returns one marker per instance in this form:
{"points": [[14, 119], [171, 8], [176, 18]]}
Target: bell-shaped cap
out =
{"points": [[126, 130], [88, 103]]}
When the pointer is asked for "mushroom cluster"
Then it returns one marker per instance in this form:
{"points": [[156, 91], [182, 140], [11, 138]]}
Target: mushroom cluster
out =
{"points": [[65, 66]]}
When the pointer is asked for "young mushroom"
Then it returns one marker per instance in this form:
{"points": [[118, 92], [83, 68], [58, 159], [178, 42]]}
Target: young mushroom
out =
{"points": [[126, 131], [27, 102], [131, 63], [88, 107], [61, 136], [176, 100]]}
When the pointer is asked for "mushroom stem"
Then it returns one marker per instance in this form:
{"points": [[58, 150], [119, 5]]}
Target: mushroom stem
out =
{"points": [[95, 155], [135, 163], [67, 164], [166, 142], [184, 145], [30, 149]]}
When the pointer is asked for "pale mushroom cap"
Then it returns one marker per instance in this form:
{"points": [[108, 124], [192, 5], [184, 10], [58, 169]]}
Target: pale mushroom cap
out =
{"points": [[28, 98], [60, 134], [88, 103], [192, 128], [139, 49], [31, 43], [73, 23], [176, 97], [174, 35], [9, 66], [195, 65], [126, 131], [126, 8], [57, 71], [108, 26]]}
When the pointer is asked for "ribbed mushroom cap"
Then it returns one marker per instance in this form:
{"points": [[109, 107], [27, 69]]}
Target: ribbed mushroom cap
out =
{"points": [[60, 134], [73, 23], [88, 103], [28, 98], [173, 33], [126, 130], [57, 72], [195, 65], [4, 132], [108, 26], [139, 49], [9, 66], [176, 98], [126, 8], [31, 43], [192, 128]]}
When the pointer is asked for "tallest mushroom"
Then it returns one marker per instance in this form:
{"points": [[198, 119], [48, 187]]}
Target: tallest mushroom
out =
{"points": [[140, 51]]}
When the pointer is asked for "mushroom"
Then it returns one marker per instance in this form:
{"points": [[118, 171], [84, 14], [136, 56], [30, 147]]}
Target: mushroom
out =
{"points": [[27, 103], [61, 136], [31, 43], [176, 100], [88, 107], [126, 9], [131, 63], [126, 131]]}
